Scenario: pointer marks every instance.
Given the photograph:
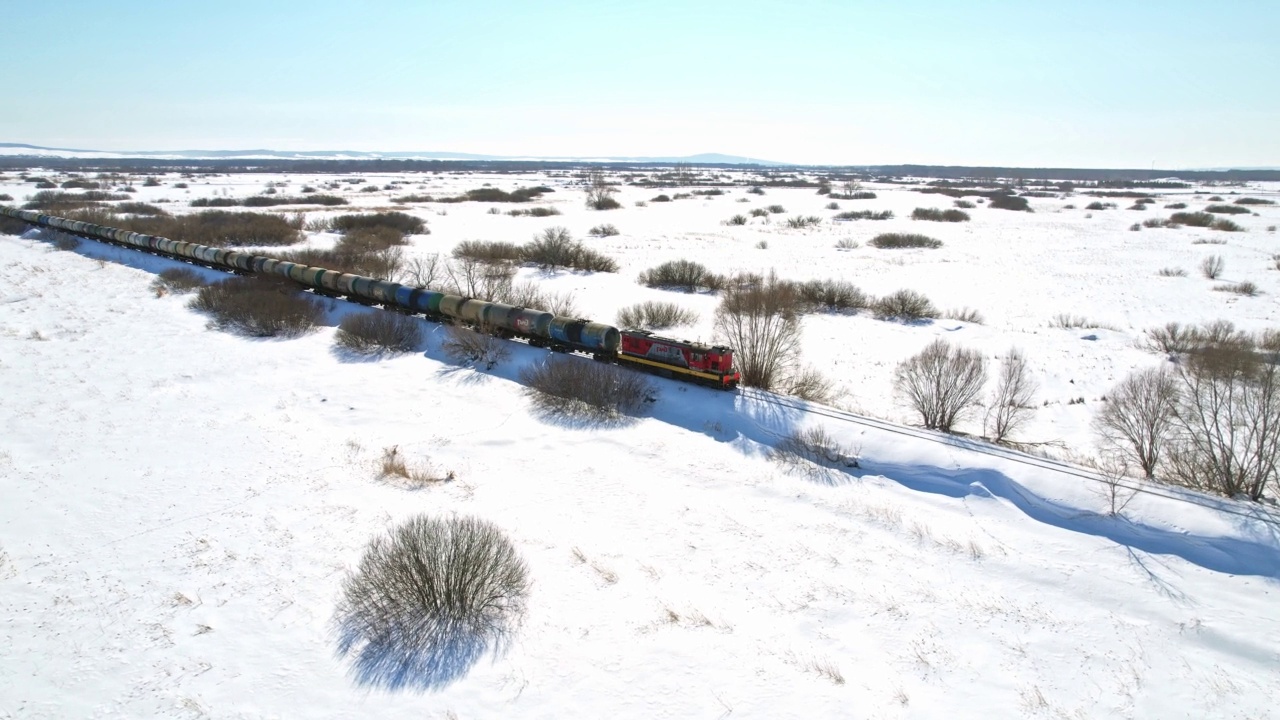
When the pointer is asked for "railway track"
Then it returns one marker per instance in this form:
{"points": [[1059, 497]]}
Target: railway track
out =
{"points": [[1257, 512]]}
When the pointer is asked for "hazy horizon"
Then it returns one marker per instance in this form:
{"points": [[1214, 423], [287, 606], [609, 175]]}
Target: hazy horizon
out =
{"points": [[1099, 85]]}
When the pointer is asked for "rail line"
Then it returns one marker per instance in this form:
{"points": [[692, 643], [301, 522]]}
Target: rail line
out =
{"points": [[1223, 505]]}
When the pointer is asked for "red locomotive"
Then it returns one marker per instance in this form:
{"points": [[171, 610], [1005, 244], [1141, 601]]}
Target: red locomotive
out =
{"points": [[711, 365]]}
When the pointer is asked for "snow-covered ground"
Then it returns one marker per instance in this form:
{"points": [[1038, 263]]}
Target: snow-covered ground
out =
{"points": [[180, 505]]}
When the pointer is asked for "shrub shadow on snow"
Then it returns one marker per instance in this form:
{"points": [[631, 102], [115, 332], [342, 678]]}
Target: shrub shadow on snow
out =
{"points": [[1229, 555], [429, 658]]}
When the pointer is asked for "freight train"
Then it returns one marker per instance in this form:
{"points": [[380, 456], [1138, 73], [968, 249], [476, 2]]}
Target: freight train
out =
{"points": [[706, 364]]}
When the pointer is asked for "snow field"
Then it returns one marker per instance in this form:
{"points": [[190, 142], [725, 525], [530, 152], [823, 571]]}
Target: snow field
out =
{"points": [[181, 504]]}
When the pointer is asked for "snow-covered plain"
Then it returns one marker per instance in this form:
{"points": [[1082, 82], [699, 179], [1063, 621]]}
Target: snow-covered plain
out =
{"points": [[180, 505]]}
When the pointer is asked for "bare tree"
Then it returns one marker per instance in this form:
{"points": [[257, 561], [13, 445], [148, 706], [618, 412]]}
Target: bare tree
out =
{"points": [[1137, 418], [1113, 469], [850, 187], [1228, 422], [1212, 266], [761, 322], [599, 192], [426, 272], [941, 383], [472, 278], [1011, 403]]}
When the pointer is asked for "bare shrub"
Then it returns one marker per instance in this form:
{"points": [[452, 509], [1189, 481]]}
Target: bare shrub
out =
{"points": [[1192, 219], [776, 209], [428, 600], [555, 247], [813, 452], [574, 386], [1011, 202], [1172, 339], [139, 208], [259, 306], [1011, 404], [465, 346], [13, 226], [864, 215], [808, 383], [378, 331], [687, 275], [941, 383], [832, 206], [1212, 267], [964, 204], [1138, 415], [1246, 288], [888, 241], [800, 222], [653, 315], [492, 252], [1254, 201], [1227, 209], [937, 215], [1068, 321], [833, 296], [178, 280], [1172, 272], [905, 306], [965, 314], [738, 219], [398, 221], [1226, 225], [847, 244], [606, 230], [600, 192], [761, 321], [530, 295]]}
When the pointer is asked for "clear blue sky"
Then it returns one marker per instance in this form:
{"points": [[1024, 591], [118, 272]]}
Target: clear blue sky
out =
{"points": [[1024, 82]]}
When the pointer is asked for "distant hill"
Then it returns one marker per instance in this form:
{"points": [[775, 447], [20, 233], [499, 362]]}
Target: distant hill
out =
{"points": [[24, 150]]}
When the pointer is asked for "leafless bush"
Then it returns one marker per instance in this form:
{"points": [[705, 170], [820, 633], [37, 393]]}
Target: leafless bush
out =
{"points": [[937, 215], [178, 280], [600, 192], [965, 314], [555, 247], [428, 600], [259, 307], [465, 346], [1172, 272], [1172, 339], [738, 219], [606, 230], [426, 272], [1067, 321], [530, 295], [1137, 417], [653, 315], [813, 452], [574, 386], [833, 296], [847, 244], [800, 222], [400, 222], [761, 321], [1245, 288], [1011, 404], [681, 274], [378, 331], [903, 240], [1212, 266], [492, 252], [808, 383], [941, 383], [473, 278], [904, 305]]}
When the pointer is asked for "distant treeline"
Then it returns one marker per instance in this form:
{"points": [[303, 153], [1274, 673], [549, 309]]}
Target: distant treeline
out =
{"points": [[1116, 178]]}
